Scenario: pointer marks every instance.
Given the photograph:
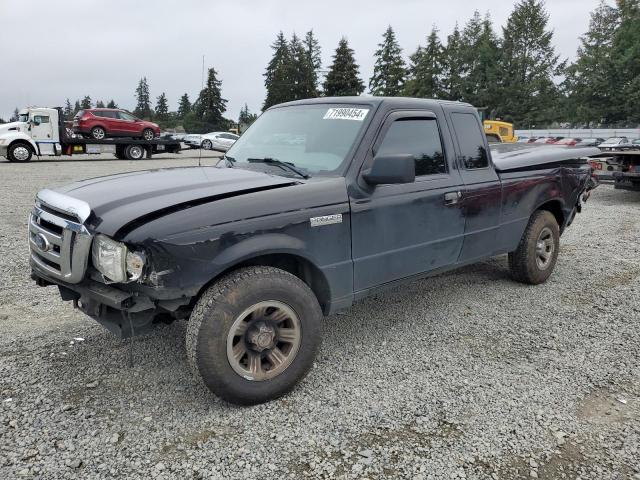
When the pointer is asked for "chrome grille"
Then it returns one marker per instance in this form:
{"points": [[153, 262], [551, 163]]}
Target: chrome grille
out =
{"points": [[59, 243]]}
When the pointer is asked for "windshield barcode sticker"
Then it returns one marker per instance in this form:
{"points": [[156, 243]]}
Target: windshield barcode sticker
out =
{"points": [[357, 114]]}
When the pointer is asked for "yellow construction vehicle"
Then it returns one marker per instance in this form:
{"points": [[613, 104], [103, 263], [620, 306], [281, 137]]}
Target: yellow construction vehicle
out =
{"points": [[499, 131]]}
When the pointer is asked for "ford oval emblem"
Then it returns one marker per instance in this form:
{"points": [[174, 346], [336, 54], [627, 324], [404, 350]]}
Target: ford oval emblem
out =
{"points": [[42, 243]]}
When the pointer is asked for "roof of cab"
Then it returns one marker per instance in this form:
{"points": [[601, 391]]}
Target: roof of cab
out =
{"points": [[401, 102]]}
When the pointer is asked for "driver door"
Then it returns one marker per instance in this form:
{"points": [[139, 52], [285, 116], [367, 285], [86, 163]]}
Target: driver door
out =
{"points": [[403, 230], [42, 133]]}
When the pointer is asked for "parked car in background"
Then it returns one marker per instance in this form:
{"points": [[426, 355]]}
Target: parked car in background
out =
{"points": [[568, 141], [636, 142], [590, 142], [545, 140], [614, 142], [192, 140], [532, 139], [100, 123], [221, 141], [523, 139]]}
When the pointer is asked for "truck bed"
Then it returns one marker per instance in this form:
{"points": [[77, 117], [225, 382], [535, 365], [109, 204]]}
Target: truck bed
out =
{"points": [[522, 156]]}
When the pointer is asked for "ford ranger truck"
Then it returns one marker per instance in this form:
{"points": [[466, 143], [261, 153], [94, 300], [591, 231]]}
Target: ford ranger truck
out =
{"points": [[319, 203]]}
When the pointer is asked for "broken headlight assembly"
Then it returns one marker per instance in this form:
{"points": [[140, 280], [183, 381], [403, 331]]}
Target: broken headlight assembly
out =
{"points": [[115, 262]]}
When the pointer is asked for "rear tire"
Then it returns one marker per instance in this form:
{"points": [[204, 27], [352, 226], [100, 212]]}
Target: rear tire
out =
{"points": [[535, 258], [98, 133], [271, 319], [134, 152], [19, 152]]}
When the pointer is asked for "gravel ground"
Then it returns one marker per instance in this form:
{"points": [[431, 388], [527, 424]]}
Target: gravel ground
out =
{"points": [[465, 375]]}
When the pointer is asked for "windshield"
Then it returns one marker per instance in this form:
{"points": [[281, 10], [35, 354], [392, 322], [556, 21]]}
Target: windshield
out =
{"points": [[23, 117], [614, 140], [316, 138]]}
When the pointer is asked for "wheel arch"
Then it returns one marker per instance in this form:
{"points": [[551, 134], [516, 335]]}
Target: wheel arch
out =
{"points": [[556, 208], [284, 253], [25, 140]]}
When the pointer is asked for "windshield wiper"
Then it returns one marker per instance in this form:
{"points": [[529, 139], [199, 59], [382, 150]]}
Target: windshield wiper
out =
{"points": [[284, 165]]}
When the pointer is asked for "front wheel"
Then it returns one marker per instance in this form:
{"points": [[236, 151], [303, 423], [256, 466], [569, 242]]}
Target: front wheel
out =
{"points": [[19, 152], [535, 258], [207, 145], [148, 134], [254, 334]]}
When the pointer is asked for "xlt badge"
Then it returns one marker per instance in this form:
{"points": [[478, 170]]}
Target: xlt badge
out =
{"points": [[325, 220]]}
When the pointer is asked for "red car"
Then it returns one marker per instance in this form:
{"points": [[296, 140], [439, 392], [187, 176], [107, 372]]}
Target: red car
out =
{"points": [[100, 123], [568, 141]]}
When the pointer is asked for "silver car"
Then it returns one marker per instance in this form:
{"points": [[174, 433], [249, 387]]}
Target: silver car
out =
{"points": [[221, 141]]}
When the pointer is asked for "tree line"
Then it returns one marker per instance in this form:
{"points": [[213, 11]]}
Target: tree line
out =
{"points": [[515, 75]]}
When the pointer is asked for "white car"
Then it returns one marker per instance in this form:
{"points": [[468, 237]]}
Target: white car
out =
{"points": [[192, 140], [221, 141], [614, 142]]}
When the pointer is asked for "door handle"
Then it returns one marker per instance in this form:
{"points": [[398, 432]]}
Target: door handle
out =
{"points": [[451, 198]]}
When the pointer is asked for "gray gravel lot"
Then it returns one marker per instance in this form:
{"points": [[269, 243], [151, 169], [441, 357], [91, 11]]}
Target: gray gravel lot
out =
{"points": [[465, 375]]}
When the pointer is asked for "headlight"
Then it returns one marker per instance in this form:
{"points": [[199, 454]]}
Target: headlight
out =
{"points": [[114, 262], [3, 141]]}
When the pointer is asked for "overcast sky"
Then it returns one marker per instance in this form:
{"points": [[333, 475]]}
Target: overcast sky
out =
{"points": [[51, 50]]}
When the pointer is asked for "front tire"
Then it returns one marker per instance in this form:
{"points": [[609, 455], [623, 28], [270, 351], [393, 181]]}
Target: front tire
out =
{"points": [[207, 145], [19, 152], [148, 135], [253, 335], [535, 258]]}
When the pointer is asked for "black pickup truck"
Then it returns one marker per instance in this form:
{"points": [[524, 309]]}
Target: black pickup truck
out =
{"points": [[320, 203]]}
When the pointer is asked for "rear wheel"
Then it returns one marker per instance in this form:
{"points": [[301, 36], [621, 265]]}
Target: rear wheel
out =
{"points": [[254, 334], [134, 152], [207, 145], [98, 133], [148, 134], [535, 258], [19, 152]]}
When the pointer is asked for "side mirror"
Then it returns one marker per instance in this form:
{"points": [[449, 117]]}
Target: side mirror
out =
{"points": [[35, 122], [399, 168]]}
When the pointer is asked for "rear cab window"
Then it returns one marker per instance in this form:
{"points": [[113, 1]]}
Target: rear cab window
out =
{"points": [[473, 153]]}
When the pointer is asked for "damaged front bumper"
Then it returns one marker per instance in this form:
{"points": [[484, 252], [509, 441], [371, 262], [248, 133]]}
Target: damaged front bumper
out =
{"points": [[122, 313]]}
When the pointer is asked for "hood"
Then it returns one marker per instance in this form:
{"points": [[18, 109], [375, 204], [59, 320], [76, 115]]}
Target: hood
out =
{"points": [[12, 126], [119, 201]]}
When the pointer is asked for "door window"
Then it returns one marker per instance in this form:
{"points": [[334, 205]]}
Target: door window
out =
{"points": [[41, 118], [472, 150], [125, 116], [419, 137]]}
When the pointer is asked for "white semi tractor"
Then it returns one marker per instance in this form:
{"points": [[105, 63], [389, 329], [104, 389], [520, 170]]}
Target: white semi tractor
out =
{"points": [[41, 132]]}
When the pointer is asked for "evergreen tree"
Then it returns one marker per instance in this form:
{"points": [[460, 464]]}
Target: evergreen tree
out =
{"points": [[14, 117], [591, 78], [86, 102], [479, 45], [299, 70], [99, 104], [455, 67], [389, 70], [626, 62], [162, 107], [343, 78], [184, 106], [143, 99], [528, 65], [246, 117], [68, 110], [277, 78], [76, 107], [210, 105], [426, 70], [112, 104], [313, 62]]}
